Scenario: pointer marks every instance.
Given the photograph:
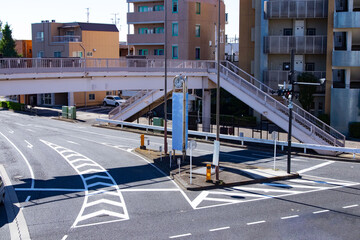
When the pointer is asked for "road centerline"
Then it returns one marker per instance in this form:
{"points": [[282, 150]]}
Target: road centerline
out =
{"points": [[181, 235]]}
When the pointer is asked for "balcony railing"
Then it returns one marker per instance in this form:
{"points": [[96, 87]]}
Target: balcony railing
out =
{"points": [[273, 78], [346, 58], [346, 19], [66, 38], [145, 17], [146, 39], [301, 44], [296, 9]]}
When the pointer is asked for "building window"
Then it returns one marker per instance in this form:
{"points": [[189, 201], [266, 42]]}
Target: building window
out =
{"points": [[175, 29], [40, 54], [310, 67], [197, 30], [198, 7], [175, 6], [78, 54], [108, 92], [46, 99], [145, 9], [197, 53], [175, 52], [143, 52], [311, 31], [288, 32], [159, 8], [57, 54], [143, 30], [89, 54], [158, 52], [91, 96], [159, 30], [70, 33], [40, 36]]}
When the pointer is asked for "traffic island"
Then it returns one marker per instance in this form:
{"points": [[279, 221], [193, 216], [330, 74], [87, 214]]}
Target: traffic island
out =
{"points": [[231, 174]]}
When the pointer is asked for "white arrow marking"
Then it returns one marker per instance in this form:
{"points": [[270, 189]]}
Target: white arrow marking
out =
{"points": [[29, 144], [101, 212], [104, 201]]}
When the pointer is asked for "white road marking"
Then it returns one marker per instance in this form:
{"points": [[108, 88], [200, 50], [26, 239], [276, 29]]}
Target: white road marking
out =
{"points": [[267, 190], [258, 222], [50, 189], [292, 186], [25, 159], [182, 235], [351, 206], [315, 167], [73, 142], [151, 190], [120, 211], [30, 130], [218, 229], [64, 237], [11, 131], [20, 124], [29, 144], [27, 199], [288, 217], [321, 211]]}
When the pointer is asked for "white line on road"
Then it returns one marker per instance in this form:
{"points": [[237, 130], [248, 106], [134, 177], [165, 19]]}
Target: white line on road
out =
{"points": [[258, 222], [315, 167], [64, 237], [11, 131], [351, 206], [30, 130], [182, 235], [73, 142], [27, 162], [29, 145], [322, 211], [218, 229], [288, 217], [27, 199], [50, 189]]}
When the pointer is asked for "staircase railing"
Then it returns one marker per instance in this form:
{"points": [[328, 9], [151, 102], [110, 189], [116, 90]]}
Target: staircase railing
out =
{"points": [[300, 116]]}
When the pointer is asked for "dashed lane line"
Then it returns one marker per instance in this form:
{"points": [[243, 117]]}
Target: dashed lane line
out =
{"points": [[288, 217], [315, 167], [253, 223], [321, 211], [218, 229], [350, 206], [64, 237], [182, 235]]}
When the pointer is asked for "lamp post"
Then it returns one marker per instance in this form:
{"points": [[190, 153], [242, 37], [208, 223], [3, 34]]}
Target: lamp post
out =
{"points": [[165, 83], [218, 90]]}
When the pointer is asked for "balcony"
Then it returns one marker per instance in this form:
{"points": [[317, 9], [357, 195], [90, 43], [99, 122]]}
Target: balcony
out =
{"points": [[273, 78], [296, 9], [301, 44], [66, 38], [346, 58], [346, 19], [138, 1], [145, 17], [146, 39]]}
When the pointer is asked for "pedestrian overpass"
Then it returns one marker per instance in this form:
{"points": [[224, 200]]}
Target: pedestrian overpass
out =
{"points": [[31, 76]]}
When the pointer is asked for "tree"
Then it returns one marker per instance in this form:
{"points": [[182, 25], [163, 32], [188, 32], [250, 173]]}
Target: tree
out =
{"points": [[7, 43], [306, 97]]}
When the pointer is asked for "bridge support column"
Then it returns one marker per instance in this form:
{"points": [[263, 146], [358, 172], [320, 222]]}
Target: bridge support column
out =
{"points": [[206, 110], [71, 100]]}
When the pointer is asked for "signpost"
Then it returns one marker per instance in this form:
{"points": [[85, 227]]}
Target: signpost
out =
{"points": [[192, 145], [274, 137]]}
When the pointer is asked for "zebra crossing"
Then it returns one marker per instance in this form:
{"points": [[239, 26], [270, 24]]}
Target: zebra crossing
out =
{"points": [[242, 194], [103, 201]]}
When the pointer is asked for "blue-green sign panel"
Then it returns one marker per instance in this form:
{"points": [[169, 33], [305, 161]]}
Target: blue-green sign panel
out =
{"points": [[177, 121]]}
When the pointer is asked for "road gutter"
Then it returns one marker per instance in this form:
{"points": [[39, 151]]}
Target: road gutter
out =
{"points": [[17, 223]]}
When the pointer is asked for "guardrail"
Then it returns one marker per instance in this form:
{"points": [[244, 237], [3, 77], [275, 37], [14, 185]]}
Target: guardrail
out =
{"points": [[239, 138]]}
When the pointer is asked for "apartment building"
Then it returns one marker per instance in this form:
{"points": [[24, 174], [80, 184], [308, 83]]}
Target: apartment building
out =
{"points": [[191, 28], [325, 35], [81, 40], [343, 63], [24, 48]]}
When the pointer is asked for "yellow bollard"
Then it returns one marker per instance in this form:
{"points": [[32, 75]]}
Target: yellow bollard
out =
{"points": [[208, 172], [142, 141]]}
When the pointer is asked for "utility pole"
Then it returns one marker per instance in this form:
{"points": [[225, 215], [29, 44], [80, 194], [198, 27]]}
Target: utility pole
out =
{"points": [[290, 106], [218, 91], [88, 14], [116, 21], [165, 83]]}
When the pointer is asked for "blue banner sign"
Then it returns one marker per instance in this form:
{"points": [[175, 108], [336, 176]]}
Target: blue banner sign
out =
{"points": [[177, 121]]}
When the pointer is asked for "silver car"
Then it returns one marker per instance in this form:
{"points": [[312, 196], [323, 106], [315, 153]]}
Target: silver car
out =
{"points": [[2, 192], [113, 100]]}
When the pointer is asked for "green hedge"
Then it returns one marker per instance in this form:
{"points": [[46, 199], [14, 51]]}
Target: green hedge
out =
{"points": [[12, 105], [354, 129]]}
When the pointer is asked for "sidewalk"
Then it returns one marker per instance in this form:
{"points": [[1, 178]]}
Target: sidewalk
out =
{"points": [[231, 174]]}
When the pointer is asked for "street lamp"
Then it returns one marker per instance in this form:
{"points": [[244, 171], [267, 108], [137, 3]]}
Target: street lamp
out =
{"points": [[218, 91]]}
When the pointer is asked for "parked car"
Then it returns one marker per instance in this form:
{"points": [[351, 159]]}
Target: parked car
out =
{"points": [[113, 100], [2, 192]]}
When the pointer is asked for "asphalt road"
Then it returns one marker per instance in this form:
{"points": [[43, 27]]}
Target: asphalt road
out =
{"points": [[74, 181]]}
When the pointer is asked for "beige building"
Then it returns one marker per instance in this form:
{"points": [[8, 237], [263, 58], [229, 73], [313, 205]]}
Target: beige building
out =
{"points": [[191, 28], [325, 35], [80, 40]]}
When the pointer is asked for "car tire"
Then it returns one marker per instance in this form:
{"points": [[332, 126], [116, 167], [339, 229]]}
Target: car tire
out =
{"points": [[104, 104], [116, 104]]}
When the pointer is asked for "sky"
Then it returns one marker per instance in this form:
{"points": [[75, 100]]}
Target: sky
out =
{"points": [[20, 14]]}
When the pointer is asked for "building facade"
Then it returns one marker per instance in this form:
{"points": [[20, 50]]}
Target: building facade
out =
{"points": [[191, 28], [24, 48], [79, 40], [325, 35]]}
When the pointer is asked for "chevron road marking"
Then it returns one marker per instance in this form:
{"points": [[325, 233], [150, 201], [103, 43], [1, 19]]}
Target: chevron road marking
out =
{"points": [[89, 166]]}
